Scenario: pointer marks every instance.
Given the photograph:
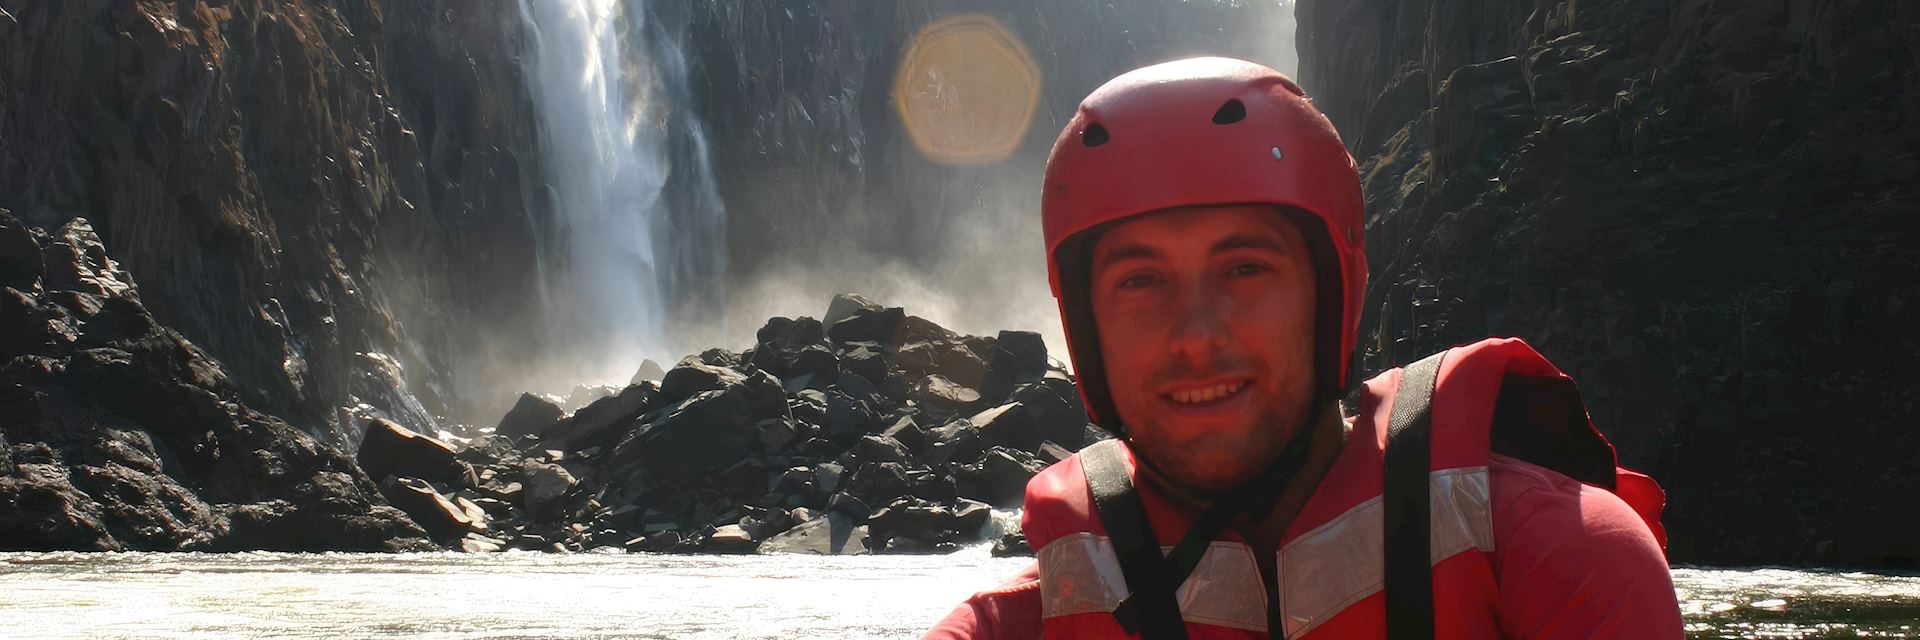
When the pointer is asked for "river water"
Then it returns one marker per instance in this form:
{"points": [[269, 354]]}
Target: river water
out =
{"points": [[593, 595]]}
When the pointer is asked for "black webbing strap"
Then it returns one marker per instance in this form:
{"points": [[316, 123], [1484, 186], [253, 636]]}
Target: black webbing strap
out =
{"points": [[1149, 608], [1253, 499], [1409, 567]]}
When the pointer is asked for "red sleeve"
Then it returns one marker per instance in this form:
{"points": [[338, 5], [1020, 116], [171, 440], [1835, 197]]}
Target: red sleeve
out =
{"points": [[1010, 611], [1574, 561]]}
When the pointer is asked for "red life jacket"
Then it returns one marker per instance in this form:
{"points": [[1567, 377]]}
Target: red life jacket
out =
{"points": [[1495, 396]]}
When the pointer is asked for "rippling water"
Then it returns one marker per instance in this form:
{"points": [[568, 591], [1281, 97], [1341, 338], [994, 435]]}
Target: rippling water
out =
{"points": [[529, 595]]}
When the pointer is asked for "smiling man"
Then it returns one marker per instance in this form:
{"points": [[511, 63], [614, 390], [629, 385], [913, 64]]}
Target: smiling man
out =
{"points": [[1204, 236]]}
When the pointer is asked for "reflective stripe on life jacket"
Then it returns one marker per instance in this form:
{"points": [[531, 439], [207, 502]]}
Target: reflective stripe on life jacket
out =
{"points": [[1321, 571], [1331, 565]]}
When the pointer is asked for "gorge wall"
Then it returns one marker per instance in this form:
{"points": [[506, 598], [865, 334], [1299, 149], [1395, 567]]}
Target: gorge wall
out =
{"points": [[1703, 211], [308, 189]]}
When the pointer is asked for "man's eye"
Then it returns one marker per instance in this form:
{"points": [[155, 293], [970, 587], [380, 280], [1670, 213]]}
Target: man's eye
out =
{"points": [[1138, 282], [1247, 269]]}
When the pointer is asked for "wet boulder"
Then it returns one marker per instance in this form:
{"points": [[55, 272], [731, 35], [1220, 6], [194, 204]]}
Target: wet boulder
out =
{"points": [[1011, 544], [605, 421], [731, 538], [865, 359], [533, 415], [950, 358], [776, 435], [869, 325], [546, 491], [954, 442], [911, 525], [389, 449], [877, 448], [830, 534], [694, 376], [879, 482], [476, 543], [707, 432], [809, 406], [716, 357], [790, 334], [761, 524], [826, 479], [932, 484], [487, 451], [1055, 408], [1009, 425], [918, 329], [796, 351], [940, 396], [849, 417], [1017, 357], [999, 477], [440, 517], [843, 306], [908, 433]]}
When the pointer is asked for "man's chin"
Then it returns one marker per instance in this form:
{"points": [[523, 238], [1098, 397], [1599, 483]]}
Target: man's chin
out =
{"points": [[1206, 469]]}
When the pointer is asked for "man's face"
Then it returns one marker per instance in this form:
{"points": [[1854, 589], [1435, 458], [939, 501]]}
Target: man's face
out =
{"points": [[1206, 319]]}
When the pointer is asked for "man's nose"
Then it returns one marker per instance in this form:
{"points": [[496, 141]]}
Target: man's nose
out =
{"points": [[1200, 328]]}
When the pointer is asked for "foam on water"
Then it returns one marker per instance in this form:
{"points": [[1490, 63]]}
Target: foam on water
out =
{"points": [[607, 595]]}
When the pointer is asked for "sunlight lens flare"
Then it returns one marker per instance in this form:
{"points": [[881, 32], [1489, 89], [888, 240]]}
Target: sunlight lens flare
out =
{"points": [[966, 90]]}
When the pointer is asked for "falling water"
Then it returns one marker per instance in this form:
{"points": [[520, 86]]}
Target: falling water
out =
{"points": [[637, 226]]}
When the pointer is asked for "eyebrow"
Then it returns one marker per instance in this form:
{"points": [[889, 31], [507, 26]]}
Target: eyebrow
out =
{"points": [[1248, 241], [1233, 242]]}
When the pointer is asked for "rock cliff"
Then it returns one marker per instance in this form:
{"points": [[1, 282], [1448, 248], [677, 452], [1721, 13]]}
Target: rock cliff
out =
{"points": [[306, 188], [1701, 210], [116, 433]]}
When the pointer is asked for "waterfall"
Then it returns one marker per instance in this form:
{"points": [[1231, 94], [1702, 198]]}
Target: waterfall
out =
{"points": [[637, 228]]}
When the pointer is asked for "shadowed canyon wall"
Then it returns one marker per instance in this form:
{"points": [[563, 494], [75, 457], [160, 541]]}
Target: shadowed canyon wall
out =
{"points": [[316, 192], [1703, 211]]}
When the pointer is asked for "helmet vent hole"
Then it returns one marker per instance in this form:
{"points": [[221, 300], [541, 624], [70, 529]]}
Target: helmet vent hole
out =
{"points": [[1094, 136], [1231, 112]]}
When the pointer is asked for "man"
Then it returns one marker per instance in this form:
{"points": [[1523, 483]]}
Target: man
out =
{"points": [[1204, 234]]}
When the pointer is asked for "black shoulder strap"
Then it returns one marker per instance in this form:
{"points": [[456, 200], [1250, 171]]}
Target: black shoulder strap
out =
{"points": [[1149, 609], [1409, 566]]}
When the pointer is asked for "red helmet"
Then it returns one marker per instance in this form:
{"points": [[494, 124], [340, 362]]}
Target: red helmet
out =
{"points": [[1197, 132]]}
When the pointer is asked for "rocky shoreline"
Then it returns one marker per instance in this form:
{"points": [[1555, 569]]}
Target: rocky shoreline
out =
{"points": [[870, 431]]}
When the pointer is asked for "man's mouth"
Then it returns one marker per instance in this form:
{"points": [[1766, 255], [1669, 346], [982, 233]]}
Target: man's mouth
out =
{"points": [[1207, 395]]}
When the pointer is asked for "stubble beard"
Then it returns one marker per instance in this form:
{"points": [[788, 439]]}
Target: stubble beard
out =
{"points": [[1214, 464]]}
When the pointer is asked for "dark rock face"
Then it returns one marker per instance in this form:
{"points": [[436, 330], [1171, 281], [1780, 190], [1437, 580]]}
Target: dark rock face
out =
{"points": [[297, 183], [1701, 211], [116, 433]]}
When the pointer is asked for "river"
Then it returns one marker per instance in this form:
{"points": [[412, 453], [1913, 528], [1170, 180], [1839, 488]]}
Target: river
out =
{"points": [[618, 595]]}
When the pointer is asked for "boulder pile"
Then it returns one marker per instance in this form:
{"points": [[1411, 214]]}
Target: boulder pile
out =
{"points": [[873, 432]]}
